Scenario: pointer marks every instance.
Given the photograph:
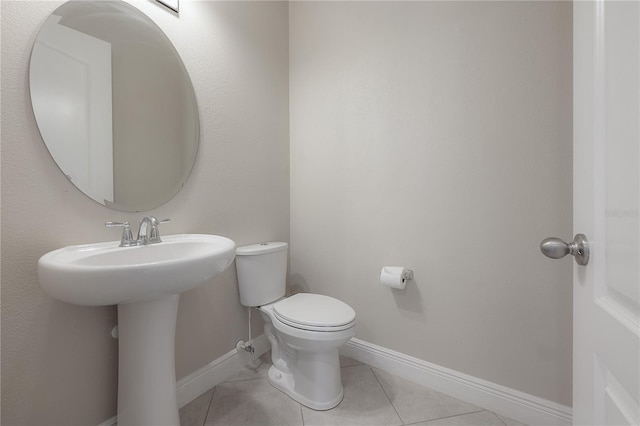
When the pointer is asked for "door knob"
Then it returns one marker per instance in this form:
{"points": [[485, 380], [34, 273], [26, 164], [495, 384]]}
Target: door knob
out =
{"points": [[555, 248]]}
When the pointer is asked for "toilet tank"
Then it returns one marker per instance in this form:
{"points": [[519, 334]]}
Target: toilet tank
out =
{"points": [[262, 272]]}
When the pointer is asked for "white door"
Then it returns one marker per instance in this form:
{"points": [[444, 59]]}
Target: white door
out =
{"points": [[606, 292]]}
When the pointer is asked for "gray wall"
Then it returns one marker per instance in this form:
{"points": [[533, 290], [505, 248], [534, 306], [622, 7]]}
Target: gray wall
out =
{"points": [[59, 362], [437, 135]]}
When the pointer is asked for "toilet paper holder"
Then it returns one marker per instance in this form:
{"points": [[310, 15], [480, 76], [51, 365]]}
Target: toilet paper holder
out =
{"points": [[395, 276], [407, 275]]}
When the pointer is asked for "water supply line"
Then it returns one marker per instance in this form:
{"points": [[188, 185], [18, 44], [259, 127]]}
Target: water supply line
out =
{"points": [[248, 345]]}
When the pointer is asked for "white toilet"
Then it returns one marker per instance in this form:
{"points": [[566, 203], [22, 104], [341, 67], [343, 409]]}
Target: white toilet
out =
{"points": [[305, 330]]}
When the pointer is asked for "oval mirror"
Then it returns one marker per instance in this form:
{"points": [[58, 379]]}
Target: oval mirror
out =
{"points": [[114, 104]]}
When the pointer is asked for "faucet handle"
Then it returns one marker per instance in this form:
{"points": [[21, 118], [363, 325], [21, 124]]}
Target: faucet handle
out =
{"points": [[155, 232], [111, 224], [127, 236]]}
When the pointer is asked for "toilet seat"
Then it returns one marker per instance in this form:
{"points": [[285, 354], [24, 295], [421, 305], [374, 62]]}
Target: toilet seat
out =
{"points": [[314, 312]]}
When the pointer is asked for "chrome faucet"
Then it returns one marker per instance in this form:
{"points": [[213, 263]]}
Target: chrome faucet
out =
{"points": [[148, 232], [143, 232]]}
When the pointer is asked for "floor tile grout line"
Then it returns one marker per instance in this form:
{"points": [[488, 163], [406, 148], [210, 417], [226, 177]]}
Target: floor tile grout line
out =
{"points": [[302, 414], [242, 380], [209, 406], [448, 417], [500, 418], [385, 394], [480, 409], [355, 365]]}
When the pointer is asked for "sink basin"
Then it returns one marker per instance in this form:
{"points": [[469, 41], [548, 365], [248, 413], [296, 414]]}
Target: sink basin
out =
{"points": [[105, 274], [145, 282]]}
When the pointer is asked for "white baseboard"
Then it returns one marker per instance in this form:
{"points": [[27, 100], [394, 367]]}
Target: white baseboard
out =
{"points": [[517, 405], [217, 371], [113, 421]]}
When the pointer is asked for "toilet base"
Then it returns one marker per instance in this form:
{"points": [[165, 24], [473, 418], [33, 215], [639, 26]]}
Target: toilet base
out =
{"points": [[306, 364], [285, 382]]}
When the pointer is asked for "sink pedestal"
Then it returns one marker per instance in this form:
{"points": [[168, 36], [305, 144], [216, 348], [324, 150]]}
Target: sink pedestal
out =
{"points": [[145, 283], [146, 370]]}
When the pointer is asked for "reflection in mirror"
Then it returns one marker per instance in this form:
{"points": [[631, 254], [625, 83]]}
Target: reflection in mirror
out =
{"points": [[114, 104]]}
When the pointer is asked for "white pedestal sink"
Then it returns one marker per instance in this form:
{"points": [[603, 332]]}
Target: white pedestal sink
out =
{"points": [[145, 283]]}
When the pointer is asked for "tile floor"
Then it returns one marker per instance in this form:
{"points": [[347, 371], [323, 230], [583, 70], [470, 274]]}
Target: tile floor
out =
{"points": [[371, 397]]}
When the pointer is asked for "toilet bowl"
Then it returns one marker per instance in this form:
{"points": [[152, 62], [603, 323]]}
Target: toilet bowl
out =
{"points": [[305, 330], [305, 357]]}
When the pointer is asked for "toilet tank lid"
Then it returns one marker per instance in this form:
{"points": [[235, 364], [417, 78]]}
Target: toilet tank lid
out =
{"points": [[260, 248]]}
